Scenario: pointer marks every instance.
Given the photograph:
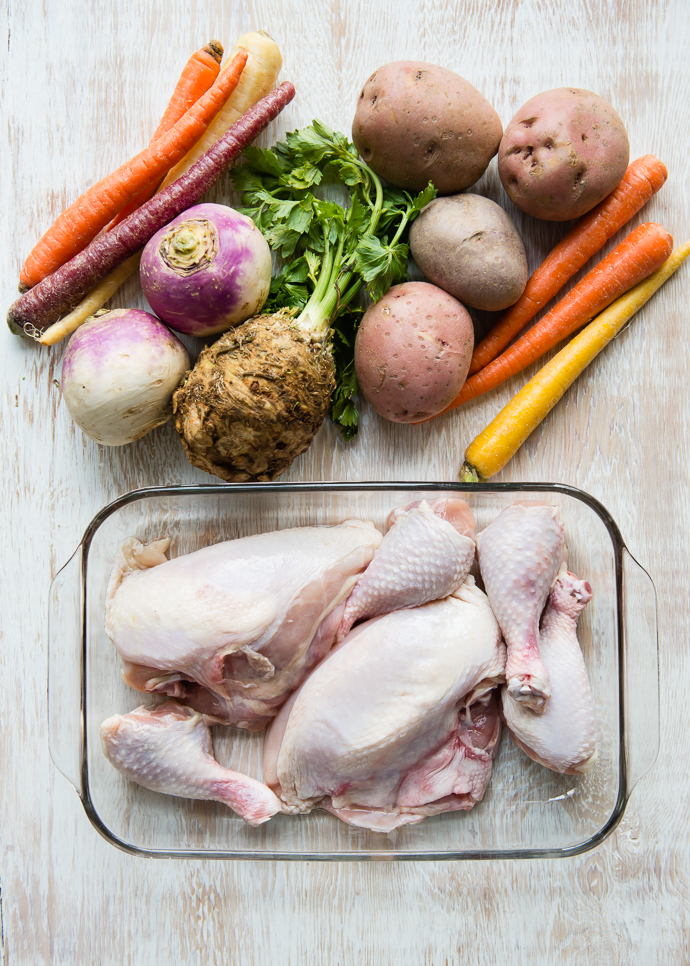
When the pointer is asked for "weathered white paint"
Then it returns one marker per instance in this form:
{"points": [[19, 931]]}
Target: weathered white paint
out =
{"points": [[83, 86]]}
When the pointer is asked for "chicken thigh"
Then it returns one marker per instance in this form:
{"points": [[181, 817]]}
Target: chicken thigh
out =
{"points": [[232, 629], [397, 723], [563, 738], [169, 750], [426, 555], [520, 554]]}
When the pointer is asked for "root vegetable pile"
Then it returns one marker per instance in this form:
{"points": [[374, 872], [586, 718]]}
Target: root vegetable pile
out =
{"points": [[257, 397]]}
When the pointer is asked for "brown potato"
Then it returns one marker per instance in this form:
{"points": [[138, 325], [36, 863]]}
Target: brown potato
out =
{"points": [[563, 152], [412, 352], [467, 245], [416, 123]]}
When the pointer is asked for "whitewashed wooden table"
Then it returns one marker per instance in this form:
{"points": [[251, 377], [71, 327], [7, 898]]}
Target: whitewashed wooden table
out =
{"points": [[83, 86]]}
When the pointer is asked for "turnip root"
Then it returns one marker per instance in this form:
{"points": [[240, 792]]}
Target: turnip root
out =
{"points": [[206, 271], [257, 397], [58, 293], [118, 375]]}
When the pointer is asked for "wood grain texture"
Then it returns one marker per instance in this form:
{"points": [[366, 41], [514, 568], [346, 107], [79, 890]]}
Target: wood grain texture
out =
{"points": [[83, 86]]}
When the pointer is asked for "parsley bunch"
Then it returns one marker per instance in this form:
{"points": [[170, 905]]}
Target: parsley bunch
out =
{"points": [[328, 251]]}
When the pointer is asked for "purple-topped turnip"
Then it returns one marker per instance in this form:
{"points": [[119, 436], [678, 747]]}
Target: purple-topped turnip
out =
{"points": [[119, 372], [207, 271]]}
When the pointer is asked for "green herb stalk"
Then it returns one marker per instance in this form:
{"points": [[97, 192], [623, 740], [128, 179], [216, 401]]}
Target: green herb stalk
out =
{"points": [[329, 251]]}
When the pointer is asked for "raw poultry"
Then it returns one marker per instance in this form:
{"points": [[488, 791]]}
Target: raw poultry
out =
{"points": [[400, 720], [425, 555], [520, 554], [169, 749], [564, 736], [396, 724], [233, 628]]}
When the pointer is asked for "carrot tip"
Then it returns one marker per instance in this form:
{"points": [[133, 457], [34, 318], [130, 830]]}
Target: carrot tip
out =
{"points": [[468, 473], [215, 49]]}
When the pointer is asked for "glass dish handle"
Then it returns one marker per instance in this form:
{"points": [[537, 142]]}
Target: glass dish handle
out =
{"points": [[640, 671], [65, 724]]}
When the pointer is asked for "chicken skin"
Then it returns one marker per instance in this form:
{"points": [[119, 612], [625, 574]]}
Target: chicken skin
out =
{"points": [[233, 629], [563, 738], [425, 555], [397, 723], [169, 750], [520, 554]]}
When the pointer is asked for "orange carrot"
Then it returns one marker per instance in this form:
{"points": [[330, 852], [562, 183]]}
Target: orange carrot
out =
{"points": [[637, 256], [197, 77], [640, 182], [80, 223], [494, 446]]}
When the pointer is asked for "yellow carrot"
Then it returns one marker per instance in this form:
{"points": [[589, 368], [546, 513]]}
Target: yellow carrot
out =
{"points": [[489, 452], [258, 78], [94, 301]]}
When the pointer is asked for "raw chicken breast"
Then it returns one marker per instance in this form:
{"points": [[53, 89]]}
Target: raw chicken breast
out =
{"points": [[520, 554], [168, 749], [395, 724], [564, 737], [426, 555], [232, 629]]}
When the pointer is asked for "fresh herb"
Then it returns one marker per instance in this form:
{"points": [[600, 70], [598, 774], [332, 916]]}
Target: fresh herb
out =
{"points": [[329, 251]]}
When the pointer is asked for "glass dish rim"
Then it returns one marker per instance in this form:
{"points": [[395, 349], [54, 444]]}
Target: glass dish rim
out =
{"points": [[366, 855]]}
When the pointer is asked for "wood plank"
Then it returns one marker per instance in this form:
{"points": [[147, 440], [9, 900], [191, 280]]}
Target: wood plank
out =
{"points": [[83, 86]]}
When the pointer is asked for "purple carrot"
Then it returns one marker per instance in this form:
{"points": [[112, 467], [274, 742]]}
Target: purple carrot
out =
{"points": [[47, 301]]}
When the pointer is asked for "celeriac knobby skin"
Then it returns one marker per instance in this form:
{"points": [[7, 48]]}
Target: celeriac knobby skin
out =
{"points": [[425, 556], [169, 750], [396, 724], [233, 628], [564, 737], [520, 554]]}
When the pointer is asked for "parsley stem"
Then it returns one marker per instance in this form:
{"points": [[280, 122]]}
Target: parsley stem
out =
{"points": [[401, 227]]}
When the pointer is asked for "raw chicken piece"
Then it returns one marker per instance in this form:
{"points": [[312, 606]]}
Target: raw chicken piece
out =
{"points": [[232, 629], [169, 750], [426, 555], [564, 737], [520, 554], [395, 724]]}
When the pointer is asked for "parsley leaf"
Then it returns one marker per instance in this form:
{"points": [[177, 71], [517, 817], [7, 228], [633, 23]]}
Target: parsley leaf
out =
{"points": [[329, 249]]}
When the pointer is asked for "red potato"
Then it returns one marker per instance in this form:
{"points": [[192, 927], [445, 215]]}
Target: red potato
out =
{"points": [[412, 352], [563, 152], [416, 122]]}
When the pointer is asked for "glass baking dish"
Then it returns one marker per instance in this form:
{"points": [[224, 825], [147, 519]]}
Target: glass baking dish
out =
{"points": [[527, 811]]}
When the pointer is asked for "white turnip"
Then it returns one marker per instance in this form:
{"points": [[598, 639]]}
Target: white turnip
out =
{"points": [[119, 372]]}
